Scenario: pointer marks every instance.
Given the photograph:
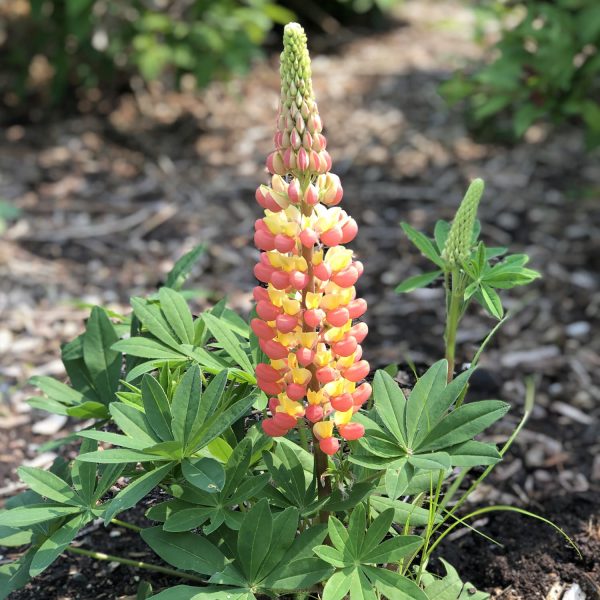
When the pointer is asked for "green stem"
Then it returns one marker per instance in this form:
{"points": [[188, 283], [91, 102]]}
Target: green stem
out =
{"points": [[138, 564], [302, 434], [433, 511], [126, 525], [453, 319]]}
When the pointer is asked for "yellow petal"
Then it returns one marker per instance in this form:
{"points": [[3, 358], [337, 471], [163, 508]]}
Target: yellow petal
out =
{"points": [[341, 418], [323, 429]]}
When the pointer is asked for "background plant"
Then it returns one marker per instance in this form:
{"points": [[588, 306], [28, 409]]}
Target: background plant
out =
{"points": [[544, 67]]}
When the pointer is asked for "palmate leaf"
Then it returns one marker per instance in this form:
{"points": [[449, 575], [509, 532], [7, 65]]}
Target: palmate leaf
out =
{"points": [[24, 516], [183, 266], [101, 360], [187, 551], [188, 592], [417, 281], [49, 485], [177, 314], [450, 587], [228, 340], [424, 244]]}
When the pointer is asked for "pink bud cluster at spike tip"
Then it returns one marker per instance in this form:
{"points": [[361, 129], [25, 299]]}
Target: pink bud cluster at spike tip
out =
{"points": [[307, 305]]}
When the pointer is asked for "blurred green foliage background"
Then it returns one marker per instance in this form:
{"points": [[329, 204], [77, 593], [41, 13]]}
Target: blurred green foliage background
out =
{"points": [[544, 65]]}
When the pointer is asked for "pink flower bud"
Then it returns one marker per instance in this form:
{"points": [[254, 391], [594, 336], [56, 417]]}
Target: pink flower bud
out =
{"points": [[357, 308], [289, 159], [314, 123], [280, 280], [361, 394], [357, 371], [359, 331], [260, 293], [267, 311], [314, 413], [283, 243], [295, 391], [299, 123], [311, 196], [346, 278], [349, 231], [298, 280], [271, 429], [351, 431], [309, 238], [274, 350], [307, 140], [345, 347], [263, 272], [313, 317], [286, 323], [284, 420], [338, 316], [267, 372], [305, 356], [262, 330], [329, 445], [294, 191], [269, 387], [342, 403], [295, 139], [326, 374], [359, 267], [332, 237], [275, 164], [315, 162], [271, 203], [264, 240], [303, 160], [322, 271]]}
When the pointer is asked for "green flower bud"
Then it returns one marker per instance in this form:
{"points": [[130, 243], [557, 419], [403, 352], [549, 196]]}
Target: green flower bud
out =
{"points": [[296, 84], [458, 244]]}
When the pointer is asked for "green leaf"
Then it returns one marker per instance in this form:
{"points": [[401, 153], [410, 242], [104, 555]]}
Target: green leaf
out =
{"points": [[424, 244], [360, 587], [156, 408], [204, 473], [49, 485], [332, 556], [433, 461], [397, 478], [55, 390], [108, 477], [102, 361], [473, 453], [440, 233], [393, 549], [186, 551], [390, 404], [84, 474], [393, 585], [88, 410], [464, 423], [188, 518], [132, 422], [186, 406], [187, 592], [215, 426], [254, 538], [338, 585], [450, 587], [417, 281], [119, 455], [112, 438], [24, 516], [377, 531], [53, 547], [183, 266], [228, 340], [148, 348], [178, 314], [403, 511], [337, 533], [136, 490], [428, 386], [490, 300], [152, 318], [11, 537]]}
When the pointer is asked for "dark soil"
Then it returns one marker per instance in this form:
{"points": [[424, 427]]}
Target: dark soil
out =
{"points": [[109, 203]]}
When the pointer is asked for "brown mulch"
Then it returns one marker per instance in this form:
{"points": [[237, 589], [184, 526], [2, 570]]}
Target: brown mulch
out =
{"points": [[110, 202]]}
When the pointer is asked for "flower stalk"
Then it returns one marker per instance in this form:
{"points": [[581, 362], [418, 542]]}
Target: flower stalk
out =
{"points": [[307, 302]]}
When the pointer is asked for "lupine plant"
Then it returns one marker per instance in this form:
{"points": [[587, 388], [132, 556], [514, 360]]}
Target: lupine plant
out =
{"points": [[261, 465]]}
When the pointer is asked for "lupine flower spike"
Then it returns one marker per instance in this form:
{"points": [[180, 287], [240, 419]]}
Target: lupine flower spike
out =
{"points": [[458, 244], [308, 303]]}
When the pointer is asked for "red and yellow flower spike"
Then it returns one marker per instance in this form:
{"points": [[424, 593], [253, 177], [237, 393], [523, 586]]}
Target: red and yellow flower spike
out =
{"points": [[307, 307]]}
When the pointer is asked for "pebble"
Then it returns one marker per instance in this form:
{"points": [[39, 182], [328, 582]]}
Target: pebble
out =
{"points": [[578, 329], [574, 593], [530, 358], [50, 425]]}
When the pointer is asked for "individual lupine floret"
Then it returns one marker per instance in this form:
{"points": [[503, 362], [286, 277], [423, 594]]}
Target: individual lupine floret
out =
{"points": [[306, 311], [458, 244]]}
